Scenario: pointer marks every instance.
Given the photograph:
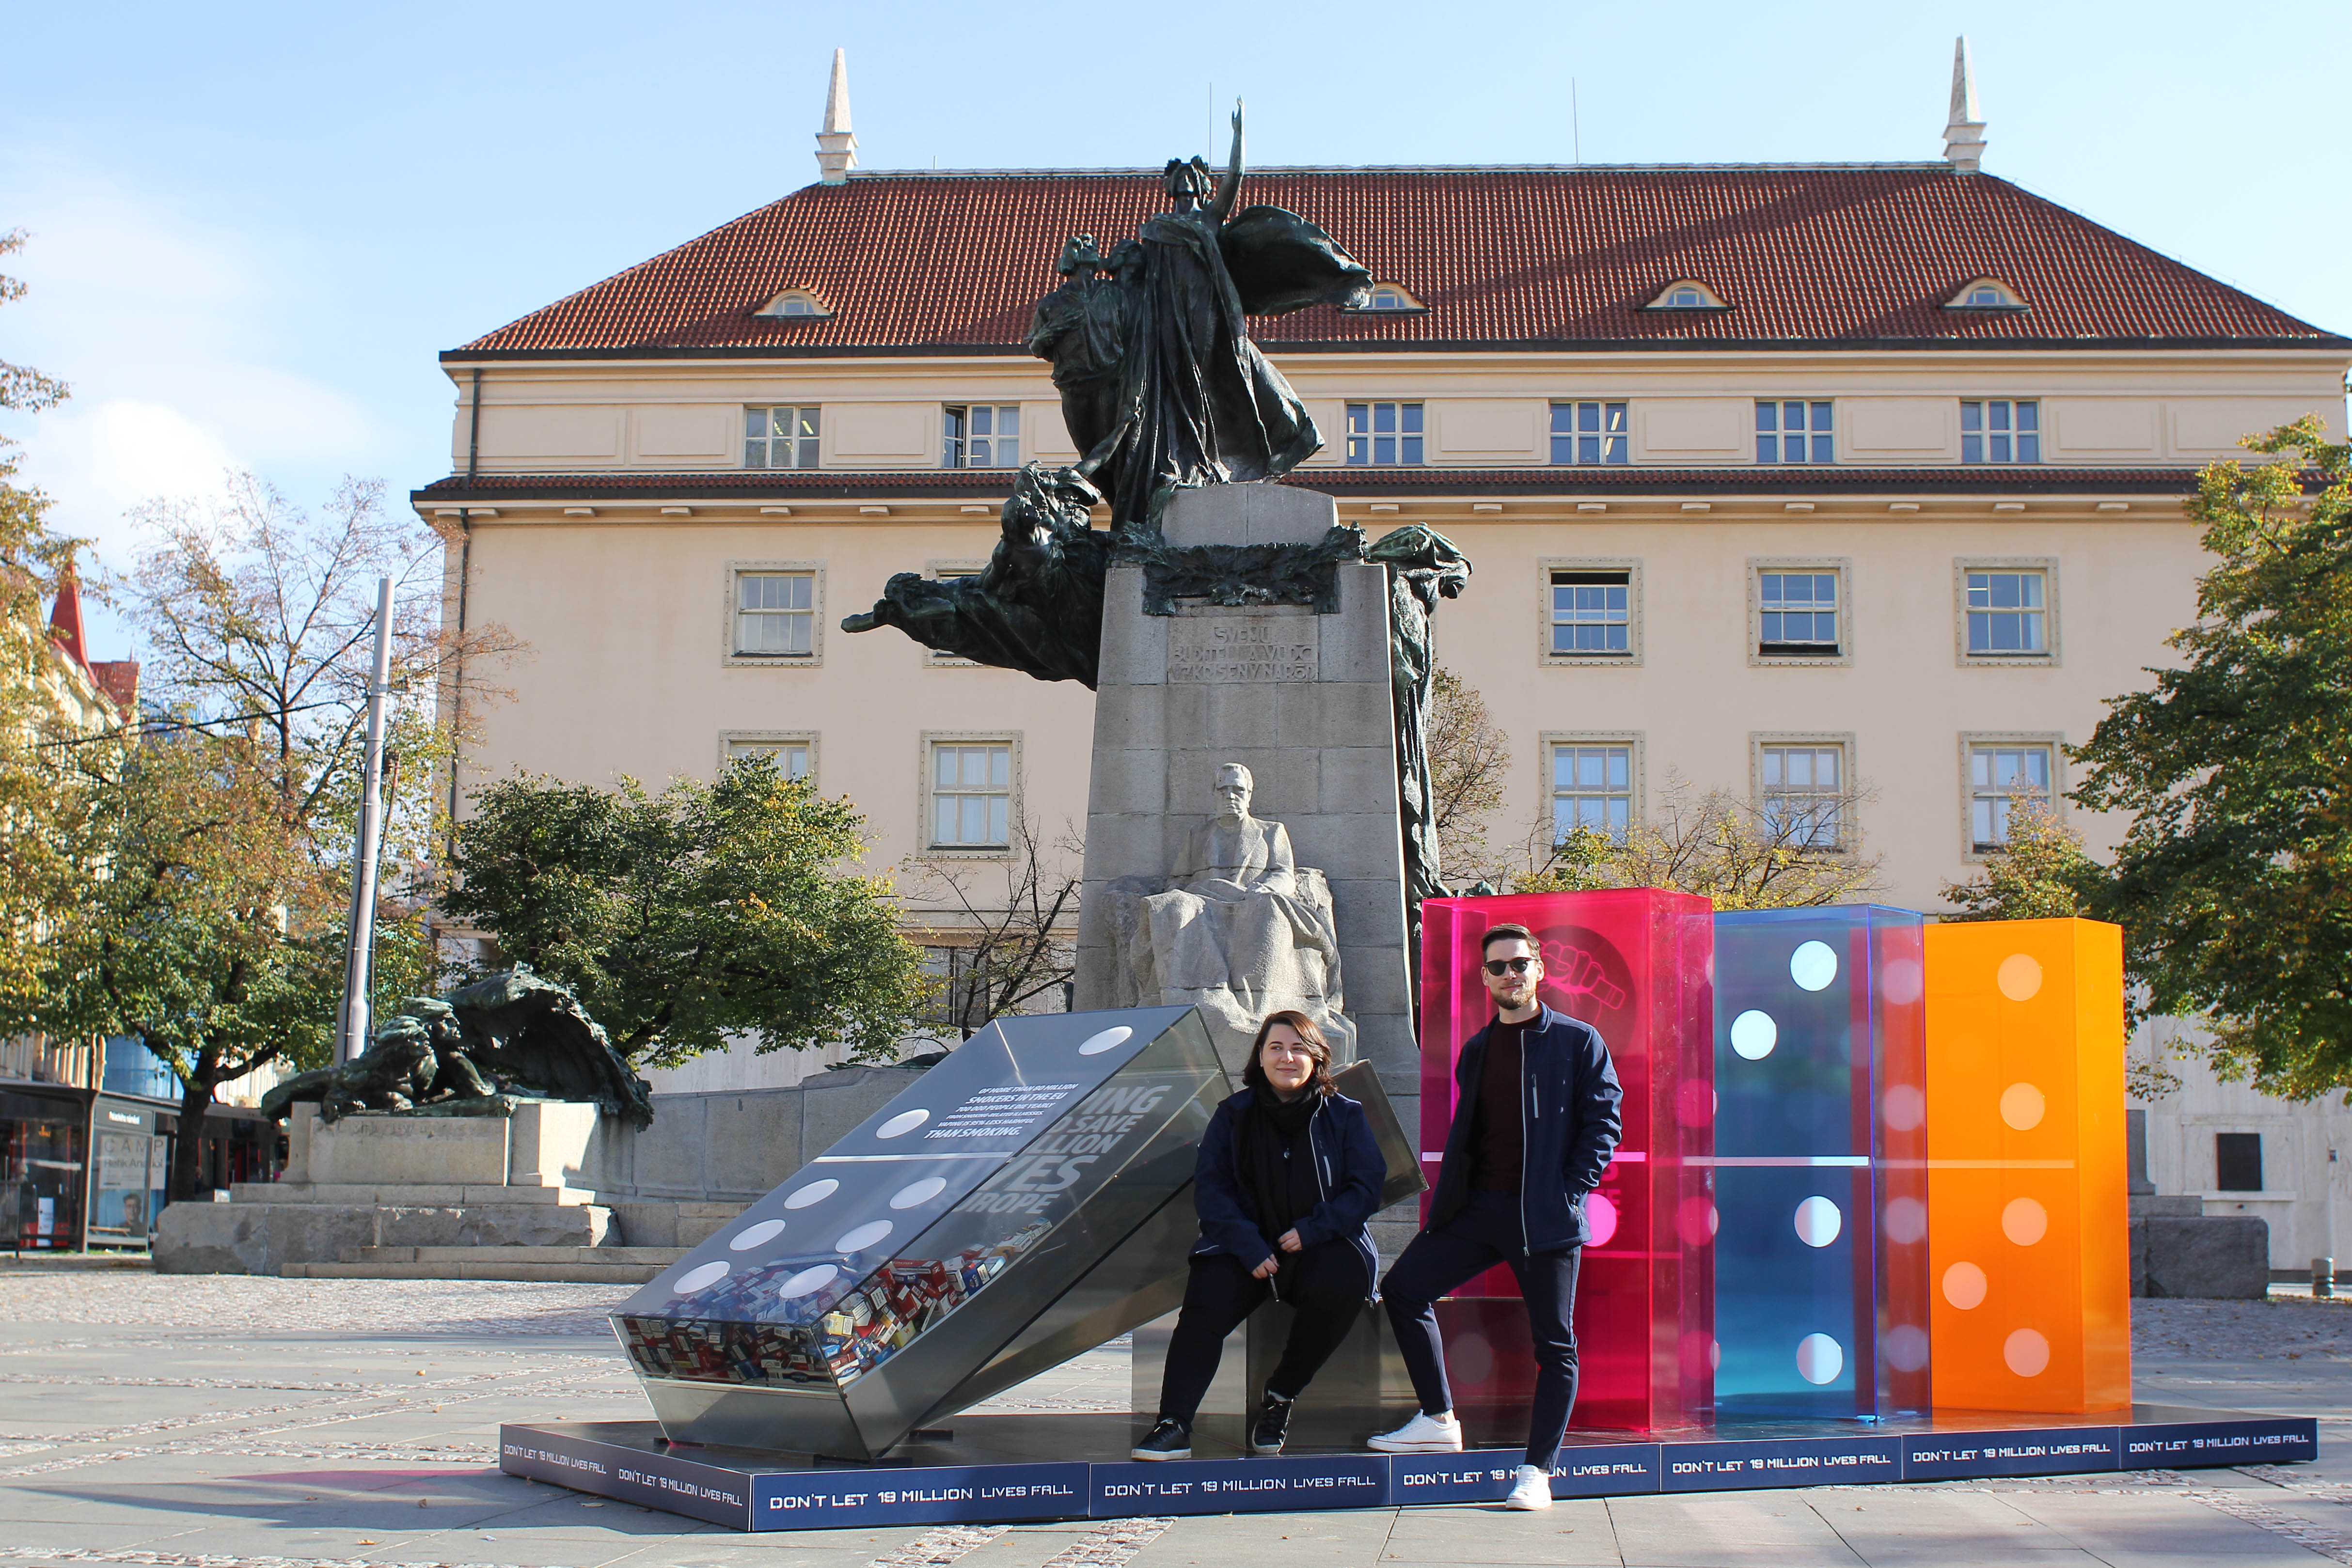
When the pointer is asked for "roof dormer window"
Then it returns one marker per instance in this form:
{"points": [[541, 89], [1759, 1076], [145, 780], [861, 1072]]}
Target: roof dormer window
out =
{"points": [[1986, 294], [1390, 298], [793, 303], [1687, 294]]}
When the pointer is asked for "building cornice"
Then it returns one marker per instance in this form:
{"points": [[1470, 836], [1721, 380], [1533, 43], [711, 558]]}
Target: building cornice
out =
{"points": [[462, 358], [1419, 486]]}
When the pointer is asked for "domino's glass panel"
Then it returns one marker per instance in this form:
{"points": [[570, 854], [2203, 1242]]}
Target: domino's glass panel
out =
{"points": [[1634, 963], [1820, 1199], [915, 1249]]}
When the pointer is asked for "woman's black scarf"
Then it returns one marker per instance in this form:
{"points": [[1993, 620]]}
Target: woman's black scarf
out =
{"points": [[1283, 1191]]}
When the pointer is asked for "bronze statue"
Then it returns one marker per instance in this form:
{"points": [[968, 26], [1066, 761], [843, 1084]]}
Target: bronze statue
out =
{"points": [[474, 1054], [1160, 384], [1036, 606]]}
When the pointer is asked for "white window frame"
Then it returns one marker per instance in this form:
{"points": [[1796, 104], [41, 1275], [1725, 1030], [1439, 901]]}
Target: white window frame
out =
{"points": [[1760, 741], [1622, 435], [1983, 433], [2048, 567], [815, 442], [730, 738], [1970, 740], [1780, 434], [1631, 657], [930, 741], [962, 449], [731, 658], [1371, 432], [937, 571], [1842, 567], [1552, 741]]}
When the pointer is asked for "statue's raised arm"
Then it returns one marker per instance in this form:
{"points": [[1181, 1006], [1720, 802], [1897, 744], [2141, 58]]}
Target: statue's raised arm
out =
{"points": [[1220, 205]]}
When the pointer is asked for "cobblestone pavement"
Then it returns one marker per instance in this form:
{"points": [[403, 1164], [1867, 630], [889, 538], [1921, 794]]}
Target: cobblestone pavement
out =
{"points": [[208, 1422]]}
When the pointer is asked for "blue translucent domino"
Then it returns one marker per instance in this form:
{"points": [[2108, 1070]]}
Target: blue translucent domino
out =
{"points": [[1820, 1255]]}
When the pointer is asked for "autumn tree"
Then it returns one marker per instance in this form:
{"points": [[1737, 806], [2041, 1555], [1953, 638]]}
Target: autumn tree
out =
{"points": [[1469, 763], [195, 923], [1741, 853], [212, 861], [707, 911], [2041, 872], [2234, 884], [1006, 937], [32, 793]]}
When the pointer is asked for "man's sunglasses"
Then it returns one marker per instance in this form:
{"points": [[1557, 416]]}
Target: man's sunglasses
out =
{"points": [[1510, 966]]}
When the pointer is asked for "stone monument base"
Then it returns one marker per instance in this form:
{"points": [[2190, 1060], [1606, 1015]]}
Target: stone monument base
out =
{"points": [[376, 1181]]}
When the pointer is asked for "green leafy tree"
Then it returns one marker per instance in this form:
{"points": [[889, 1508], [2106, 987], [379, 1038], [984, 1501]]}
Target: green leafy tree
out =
{"points": [[2234, 883], [2041, 873], [196, 921], [708, 911]]}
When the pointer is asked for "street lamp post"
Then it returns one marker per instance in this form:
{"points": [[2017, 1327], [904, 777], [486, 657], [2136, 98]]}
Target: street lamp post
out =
{"points": [[351, 1027]]}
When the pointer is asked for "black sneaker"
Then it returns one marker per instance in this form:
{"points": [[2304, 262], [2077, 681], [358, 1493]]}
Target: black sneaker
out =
{"points": [[1272, 1425], [1168, 1441]]}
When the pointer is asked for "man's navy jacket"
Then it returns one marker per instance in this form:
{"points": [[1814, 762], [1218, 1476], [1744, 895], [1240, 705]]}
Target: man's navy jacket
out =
{"points": [[1568, 1097]]}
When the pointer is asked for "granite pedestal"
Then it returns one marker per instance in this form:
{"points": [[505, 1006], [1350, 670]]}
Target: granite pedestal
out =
{"points": [[1300, 698]]}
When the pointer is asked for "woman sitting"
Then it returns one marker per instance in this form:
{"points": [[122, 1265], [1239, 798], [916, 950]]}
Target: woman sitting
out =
{"points": [[1287, 1175]]}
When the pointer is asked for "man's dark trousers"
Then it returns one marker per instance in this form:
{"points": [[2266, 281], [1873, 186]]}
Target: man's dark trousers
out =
{"points": [[1488, 1231]]}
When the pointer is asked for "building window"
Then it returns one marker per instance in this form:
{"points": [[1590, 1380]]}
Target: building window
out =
{"points": [[1802, 791], [1388, 297], [782, 437], [2001, 430], [2008, 614], [1384, 435], [2238, 1162], [795, 302], [775, 614], [947, 571], [1796, 613], [972, 794], [1592, 786], [1593, 612], [1794, 432], [982, 435], [1687, 294], [1589, 432], [795, 755], [1985, 294], [961, 995], [2000, 774]]}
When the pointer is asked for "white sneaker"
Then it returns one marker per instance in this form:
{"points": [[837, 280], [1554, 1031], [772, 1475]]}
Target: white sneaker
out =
{"points": [[1424, 1434], [1532, 1489]]}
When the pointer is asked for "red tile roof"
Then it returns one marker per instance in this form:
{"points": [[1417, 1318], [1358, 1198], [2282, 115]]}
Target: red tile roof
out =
{"points": [[1533, 258]]}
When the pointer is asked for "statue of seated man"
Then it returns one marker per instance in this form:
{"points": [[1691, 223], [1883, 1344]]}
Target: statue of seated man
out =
{"points": [[1243, 928]]}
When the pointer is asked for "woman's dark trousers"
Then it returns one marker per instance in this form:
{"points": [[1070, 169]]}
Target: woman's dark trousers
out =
{"points": [[1326, 1283]]}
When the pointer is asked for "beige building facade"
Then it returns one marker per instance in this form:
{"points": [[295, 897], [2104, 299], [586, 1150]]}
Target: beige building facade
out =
{"points": [[1782, 480]]}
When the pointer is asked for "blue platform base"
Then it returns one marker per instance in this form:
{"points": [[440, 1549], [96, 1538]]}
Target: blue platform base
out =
{"points": [[1001, 1470]]}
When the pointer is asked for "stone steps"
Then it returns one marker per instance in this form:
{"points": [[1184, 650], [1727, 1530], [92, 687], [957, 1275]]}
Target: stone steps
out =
{"points": [[574, 1265]]}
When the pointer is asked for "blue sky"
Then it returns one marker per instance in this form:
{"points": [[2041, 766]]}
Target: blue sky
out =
{"points": [[253, 225]]}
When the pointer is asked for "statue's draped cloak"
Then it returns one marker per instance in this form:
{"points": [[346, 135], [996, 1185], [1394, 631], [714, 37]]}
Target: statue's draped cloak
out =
{"points": [[1189, 400]]}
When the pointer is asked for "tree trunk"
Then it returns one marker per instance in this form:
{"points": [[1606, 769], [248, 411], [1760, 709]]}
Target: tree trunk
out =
{"points": [[196, 1095]]}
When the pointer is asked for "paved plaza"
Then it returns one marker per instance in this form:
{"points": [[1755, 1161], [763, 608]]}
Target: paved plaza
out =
{"points": [[296, 1423]]}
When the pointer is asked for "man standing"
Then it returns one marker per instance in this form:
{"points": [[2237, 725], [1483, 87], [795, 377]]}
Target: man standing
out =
{"points": [[1534, 1122]]}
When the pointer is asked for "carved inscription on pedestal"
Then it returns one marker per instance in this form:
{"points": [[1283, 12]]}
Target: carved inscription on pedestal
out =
{"points": [[1227, 650]]}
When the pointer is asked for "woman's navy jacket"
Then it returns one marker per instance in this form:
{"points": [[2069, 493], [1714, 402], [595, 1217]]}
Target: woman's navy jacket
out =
{"points": [[1348, 1166], [1568, 1097]]}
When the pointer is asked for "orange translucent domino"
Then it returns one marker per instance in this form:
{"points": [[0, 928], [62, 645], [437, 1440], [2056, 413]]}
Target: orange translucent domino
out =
{"points": [[2027, 1246]]}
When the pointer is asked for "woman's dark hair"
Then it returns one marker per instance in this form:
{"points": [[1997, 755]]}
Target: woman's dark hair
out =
{"points": [[1319, 1080]]}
